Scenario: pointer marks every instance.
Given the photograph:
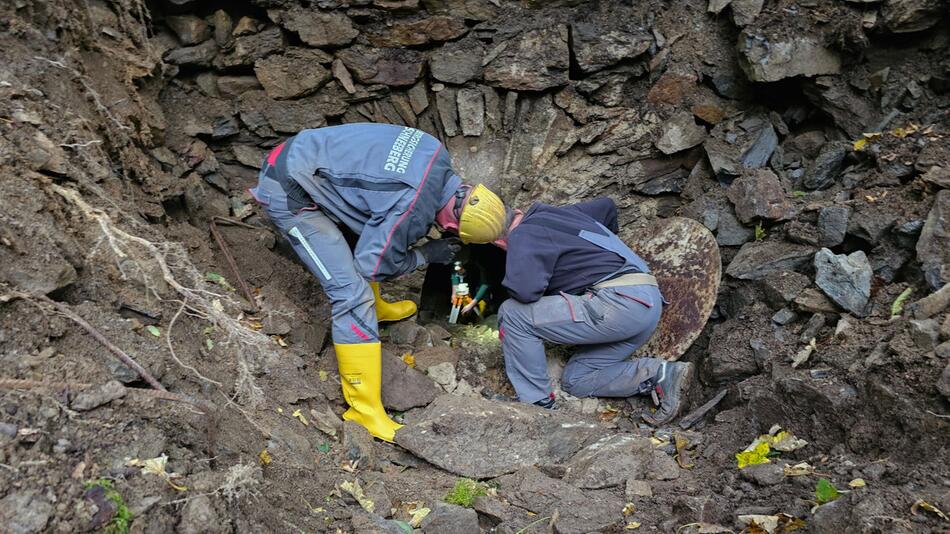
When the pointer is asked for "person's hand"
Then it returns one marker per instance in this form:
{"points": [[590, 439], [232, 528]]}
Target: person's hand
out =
{"points": [[470, 307], [441, 250]]}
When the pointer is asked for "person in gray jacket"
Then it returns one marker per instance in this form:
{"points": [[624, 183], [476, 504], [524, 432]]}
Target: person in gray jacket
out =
{"points": [[387, 184]]}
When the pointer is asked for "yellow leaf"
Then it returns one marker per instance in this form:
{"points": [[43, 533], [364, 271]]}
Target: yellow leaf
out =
{"points": [[633, 525], [857, 483], [264, 457], [301, 417], [929, 507], [156, 466], [324, 376], [280, 410], [628, 508], [756, 456], [354, 489], [280, 341], [417, 516], [860, 145], [409, 359]]}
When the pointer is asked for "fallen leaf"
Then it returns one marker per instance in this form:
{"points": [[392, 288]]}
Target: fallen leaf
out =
{"points": [[354, 489], [758, 455], [323, 375], [633, 525], [920, 503], [799, 469], [857, 483], [264, 457], [209, 343], [825, 491], [628, 508], [860, 145], [152, 329], [217, 306], [280, 410], [785, 441], [156, 466], [280, 341], [682, 456], [409, 359], [897, 307], [324, 447], [297, 414], [417, 516]]}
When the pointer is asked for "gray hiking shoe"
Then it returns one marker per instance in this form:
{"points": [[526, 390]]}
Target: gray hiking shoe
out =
{"points": [[671, 385]]}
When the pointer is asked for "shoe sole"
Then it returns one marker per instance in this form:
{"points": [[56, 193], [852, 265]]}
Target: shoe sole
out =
{"points": [[684, 391]]}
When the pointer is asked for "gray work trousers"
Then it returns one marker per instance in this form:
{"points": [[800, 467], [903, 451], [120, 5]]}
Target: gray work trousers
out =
{"points": [[321, 246], [607, 325]]}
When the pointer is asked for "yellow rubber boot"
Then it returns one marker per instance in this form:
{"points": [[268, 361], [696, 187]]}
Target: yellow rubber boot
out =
{"points": [[361, 368], [391, 311]]}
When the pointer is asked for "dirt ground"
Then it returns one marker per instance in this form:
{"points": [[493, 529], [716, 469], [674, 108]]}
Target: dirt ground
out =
{"points": [[128, 128]]}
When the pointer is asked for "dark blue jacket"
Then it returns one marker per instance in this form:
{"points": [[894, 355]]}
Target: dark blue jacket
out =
{"points": [[546, 255]]}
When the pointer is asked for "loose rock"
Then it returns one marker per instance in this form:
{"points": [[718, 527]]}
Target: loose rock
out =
{"points": [[679, 133], [823, 171], [108, 392], [758, 195], [767, 59], [846, 279], [595, 48], [448, 518], [609, 462], [768, 474], [358, 446], [190, 29], [295, 73], [730, 232], [833, 225], [23, 512], [404, 387], [316, 28], [933, 247], [534, 61], [756, 260], [578, 512], [459, 62]]}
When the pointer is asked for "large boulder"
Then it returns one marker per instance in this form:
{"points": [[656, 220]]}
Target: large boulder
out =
{"points": [[533, 61], [294, 73], [846, 279], [933, 246], [766, 59], [480, 438]]}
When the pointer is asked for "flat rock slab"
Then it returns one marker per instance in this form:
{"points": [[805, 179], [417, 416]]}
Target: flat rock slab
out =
{"points": [[610, 461], [768, 60], [684, 257], [846, 279], [404, 387], [480, 438], [757, 260], [578, 511]]}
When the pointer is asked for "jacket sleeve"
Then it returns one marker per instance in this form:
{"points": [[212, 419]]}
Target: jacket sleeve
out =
{"points": [[530, 263], [602, 210], [382, 251]]}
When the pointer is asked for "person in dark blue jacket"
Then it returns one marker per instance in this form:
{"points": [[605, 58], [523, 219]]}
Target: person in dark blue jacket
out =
{"points": [[387, 184], [573, 281]]}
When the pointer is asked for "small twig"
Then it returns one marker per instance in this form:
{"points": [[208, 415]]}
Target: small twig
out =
{"points": [[942, 416], [81, 145], [223, 245], [119, 353], [168, 341]]}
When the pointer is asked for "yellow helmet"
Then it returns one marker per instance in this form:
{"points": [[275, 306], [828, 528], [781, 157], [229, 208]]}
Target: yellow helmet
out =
{"points": [[483, 216]]}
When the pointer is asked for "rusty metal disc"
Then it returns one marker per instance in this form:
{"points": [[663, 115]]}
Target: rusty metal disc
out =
{"points": [[684, 257]]}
